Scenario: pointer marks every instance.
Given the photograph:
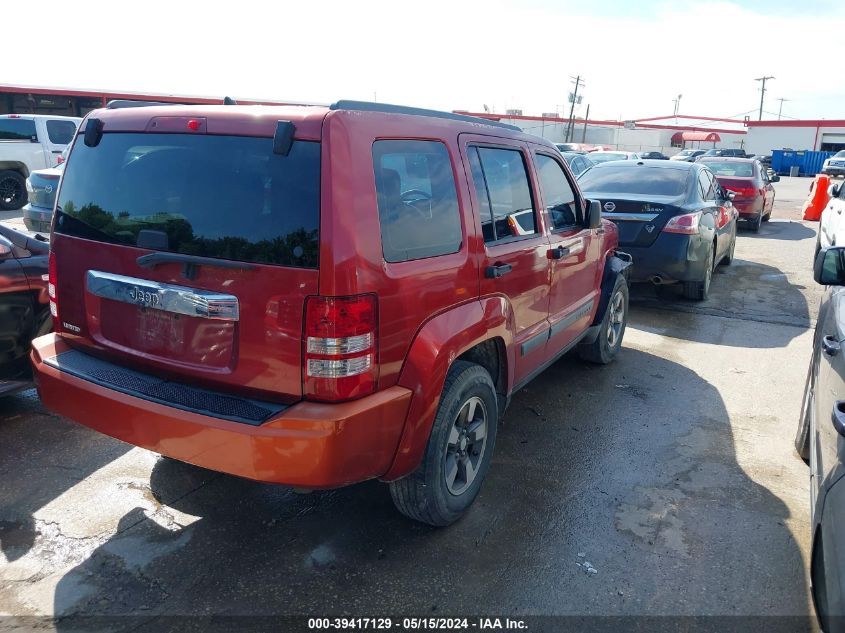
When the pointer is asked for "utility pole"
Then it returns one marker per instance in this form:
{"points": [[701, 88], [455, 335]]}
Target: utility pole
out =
{"points": [[677, 104], [780, 109], [577, 83], [586, 118], [762, 94]]}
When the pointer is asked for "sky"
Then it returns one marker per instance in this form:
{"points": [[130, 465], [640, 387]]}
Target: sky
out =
{"points": [[636, 56]]}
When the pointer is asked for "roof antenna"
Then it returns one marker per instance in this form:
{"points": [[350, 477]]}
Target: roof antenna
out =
{"points": [[229, 101]]}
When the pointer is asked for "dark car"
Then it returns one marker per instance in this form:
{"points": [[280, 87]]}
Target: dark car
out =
{"points": [[24, 311], [820, 441], [318, 296], [578, 163], [754, 194], [673, 217], [654, 155], [41, 186]]}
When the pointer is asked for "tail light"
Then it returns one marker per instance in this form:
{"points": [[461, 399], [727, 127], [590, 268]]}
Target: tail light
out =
{"points": [[52, 284], [340, 347], [684, 224]]}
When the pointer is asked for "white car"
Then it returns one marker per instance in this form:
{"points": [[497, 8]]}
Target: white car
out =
{"points": [[29, 142], [835, 165], [832, 224], [605, 156]]}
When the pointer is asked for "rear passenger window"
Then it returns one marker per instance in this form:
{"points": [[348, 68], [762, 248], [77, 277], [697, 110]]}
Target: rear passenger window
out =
{"points": [[501, 181], [705, 185], [61, 132], [558, 195], [417, 200]]}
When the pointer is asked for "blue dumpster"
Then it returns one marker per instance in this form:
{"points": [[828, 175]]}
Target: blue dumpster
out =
{"points": [[808, 163], [813, 162]]}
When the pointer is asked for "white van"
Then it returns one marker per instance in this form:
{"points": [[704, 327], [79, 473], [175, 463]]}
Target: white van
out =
{"points": [[29, 142]]}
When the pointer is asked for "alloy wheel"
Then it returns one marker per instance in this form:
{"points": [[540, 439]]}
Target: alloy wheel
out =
{"points": [[9, 190], [465, 449], [616, 320]]}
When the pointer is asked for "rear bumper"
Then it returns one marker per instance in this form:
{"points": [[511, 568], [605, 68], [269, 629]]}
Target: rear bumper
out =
{"points": [[312, 445], [37, 218], [672, 257], [749, 209]]}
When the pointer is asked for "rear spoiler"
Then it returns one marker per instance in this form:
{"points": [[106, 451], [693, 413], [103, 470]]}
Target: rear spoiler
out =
{"points": [[35, 243]]}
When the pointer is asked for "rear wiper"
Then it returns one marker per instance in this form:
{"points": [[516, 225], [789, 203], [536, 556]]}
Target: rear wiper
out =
{"points": [[191, 262]]}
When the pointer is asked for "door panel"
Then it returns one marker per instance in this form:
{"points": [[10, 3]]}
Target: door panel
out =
{"points": [[573, 255], [830, 388], [514, 261]]}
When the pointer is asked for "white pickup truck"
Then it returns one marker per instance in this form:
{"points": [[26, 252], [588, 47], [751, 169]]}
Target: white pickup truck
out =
{"points": [[29, 142]]}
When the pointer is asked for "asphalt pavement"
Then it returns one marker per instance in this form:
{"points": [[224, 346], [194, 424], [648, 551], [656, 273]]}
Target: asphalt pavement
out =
{"points": [[670, 473]]}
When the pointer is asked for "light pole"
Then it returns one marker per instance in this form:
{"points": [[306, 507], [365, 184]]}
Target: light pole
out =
{"points": [[677, 104], [762, 94], [569, 131]]}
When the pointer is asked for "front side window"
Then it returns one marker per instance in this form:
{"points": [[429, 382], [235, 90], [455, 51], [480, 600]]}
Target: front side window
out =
{"points": [[17, 129], [228, 197], [417, 200], [558, 195], [504, 184], [60, 132]]}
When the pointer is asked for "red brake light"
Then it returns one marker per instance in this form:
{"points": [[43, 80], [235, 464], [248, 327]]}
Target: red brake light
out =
{"points": [[52, 283], [743, 192], [339, 360], [684, 224], [194, 125]]}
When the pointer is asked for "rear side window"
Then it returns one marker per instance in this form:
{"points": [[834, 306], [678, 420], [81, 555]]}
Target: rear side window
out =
{"points": [[705, 184], [501, 181], [60, 132], [228, 197], [17, 129], [417, 200], [558, 195]]}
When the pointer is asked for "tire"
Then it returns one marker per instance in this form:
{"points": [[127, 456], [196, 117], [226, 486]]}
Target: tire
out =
{"points": [[817, 584], [729, 256], [12, 190], [818, 243], [441, 489], [802, 435], [700, 290], [609, 341], [755, 225], [767, 217]]}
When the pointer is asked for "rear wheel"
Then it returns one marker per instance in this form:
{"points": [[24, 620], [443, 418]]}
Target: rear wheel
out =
{"points": [[754, 225], [729, 256], [459, 450], [12, 190], [700, 290], [609, 341]]}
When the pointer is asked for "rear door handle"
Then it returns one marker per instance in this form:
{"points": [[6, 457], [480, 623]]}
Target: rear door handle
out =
{"points": [[558, 253], [830, 345], [497, 270]]}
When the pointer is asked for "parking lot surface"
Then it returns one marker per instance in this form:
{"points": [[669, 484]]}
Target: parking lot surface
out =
{"points": [[670, 473]]}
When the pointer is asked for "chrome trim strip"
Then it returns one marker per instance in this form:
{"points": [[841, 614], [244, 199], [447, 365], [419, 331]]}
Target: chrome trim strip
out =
{"points": [[165, 297], [632, 217]]}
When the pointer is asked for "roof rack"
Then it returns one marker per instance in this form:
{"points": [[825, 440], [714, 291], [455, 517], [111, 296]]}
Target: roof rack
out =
{"points": [[368, 106], [117, 104]]}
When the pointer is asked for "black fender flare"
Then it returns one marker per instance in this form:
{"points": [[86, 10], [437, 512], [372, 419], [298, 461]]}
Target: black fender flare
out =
{"points": [[618, 263]]}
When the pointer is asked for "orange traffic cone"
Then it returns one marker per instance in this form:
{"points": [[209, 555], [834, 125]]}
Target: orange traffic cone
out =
{"points": [[818, 198]]}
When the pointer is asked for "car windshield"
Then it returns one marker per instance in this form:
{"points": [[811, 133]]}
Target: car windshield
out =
{"points": [[630, 178], [731, 168], [840, 154], [213, 196], [686, 152]]}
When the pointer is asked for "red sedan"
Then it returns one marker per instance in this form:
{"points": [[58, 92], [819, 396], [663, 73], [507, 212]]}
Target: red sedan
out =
{"points": [[748, 180]]}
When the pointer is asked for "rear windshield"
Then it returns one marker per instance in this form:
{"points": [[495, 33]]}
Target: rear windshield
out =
{"points": [[213, 196], [17, 129], [634, 179], [738, 170]]}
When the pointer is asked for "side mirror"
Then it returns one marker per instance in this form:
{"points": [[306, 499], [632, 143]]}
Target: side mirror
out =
{"points": [[774, 178], [729, 195], [5, 250], [594, 214], [829, 267], [833, 191]]}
